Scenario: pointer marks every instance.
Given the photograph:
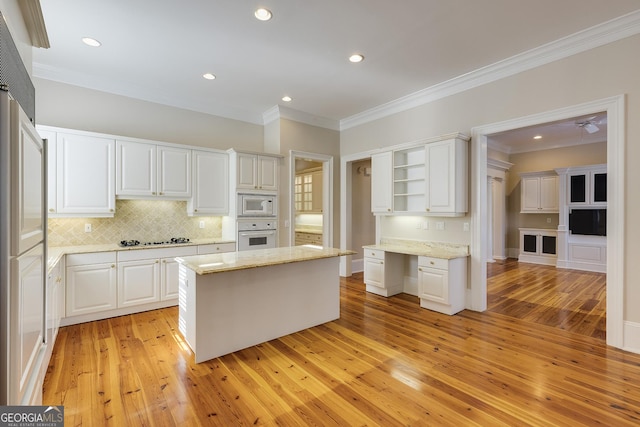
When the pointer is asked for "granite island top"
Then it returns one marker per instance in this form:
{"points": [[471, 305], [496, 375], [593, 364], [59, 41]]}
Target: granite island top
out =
{"points": [[54, 253], [218, 263], [422, 248]]}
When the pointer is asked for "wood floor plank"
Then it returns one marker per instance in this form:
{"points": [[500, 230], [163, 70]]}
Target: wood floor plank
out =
{"points": [[385, 362]]}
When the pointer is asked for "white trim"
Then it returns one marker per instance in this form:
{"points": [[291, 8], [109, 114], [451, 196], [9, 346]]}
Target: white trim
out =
{"points": [[632, 337], [615, 109], [279, 112], [345, 207], [327, 194], [599, 35]]}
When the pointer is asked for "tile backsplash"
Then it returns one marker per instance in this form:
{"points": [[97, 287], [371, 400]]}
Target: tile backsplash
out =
{"points": [[143, 220]]}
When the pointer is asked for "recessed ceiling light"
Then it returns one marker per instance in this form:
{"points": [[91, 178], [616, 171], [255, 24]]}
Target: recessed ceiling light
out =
{"points": [[209, 76], [537, 137], [356, 57], [91, 42], [287, 98], [263, 14]]}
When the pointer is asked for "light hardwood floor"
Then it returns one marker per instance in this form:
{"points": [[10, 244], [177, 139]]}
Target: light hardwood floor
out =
{"points": [[385, 362], [567, 299]]}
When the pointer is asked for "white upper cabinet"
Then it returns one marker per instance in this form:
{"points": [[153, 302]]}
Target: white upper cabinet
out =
{"points": [[539, 192], [256, 171], [381, 182], [424, 179], [587, 186], [210, 184], [84, 176], [150, 170], [447, 177]]}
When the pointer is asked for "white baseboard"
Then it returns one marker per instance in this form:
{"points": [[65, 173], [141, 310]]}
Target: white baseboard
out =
{"points": [[357, 265], [513, 252], [631, 334]]}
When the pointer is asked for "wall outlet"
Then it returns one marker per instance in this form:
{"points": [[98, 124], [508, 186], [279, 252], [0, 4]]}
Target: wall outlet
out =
{"points": [[439, 225], [425, 225], [201, 224], [419, 225], [87, 228], [548, 220], [465, 226]]}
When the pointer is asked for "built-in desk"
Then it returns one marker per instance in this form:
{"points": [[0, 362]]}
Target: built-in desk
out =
{"points": [[434, 272]]}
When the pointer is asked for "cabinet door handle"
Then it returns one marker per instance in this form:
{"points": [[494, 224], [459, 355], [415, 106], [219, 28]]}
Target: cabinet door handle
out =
{"points": [[161, 193], [195, 210], [420, 269], [153, 193], [52, 210], [157, 261], [113, 266], [110, 210], [432, 263]]}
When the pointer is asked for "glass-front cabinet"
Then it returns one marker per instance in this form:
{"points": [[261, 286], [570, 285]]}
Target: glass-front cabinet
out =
{"points": [[588, 186]]}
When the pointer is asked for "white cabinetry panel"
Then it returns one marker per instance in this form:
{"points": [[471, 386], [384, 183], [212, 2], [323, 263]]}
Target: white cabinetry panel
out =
{"points": [[27, 201], [381, 182], [85, 176], [210, 184]]}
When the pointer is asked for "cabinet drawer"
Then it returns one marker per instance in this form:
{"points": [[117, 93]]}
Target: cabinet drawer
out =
{"points": [[431, 262], [215, 248], [90, 258], [374, 253]]}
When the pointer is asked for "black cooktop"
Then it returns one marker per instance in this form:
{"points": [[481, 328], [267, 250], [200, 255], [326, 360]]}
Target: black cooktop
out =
{"points": [[172, 241]]}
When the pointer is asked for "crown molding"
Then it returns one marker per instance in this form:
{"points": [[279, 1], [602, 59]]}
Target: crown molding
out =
{"points": [[616, 29], [279, 112], [34, 21]]}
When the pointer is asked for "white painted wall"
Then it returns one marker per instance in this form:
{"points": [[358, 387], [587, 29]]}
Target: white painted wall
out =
{"points": [[599, 73], [74, 107]]}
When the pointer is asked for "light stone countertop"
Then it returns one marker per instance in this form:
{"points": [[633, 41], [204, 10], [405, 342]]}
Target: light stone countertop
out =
{"points": [[422, 248], [55, 253], [230, 261]]}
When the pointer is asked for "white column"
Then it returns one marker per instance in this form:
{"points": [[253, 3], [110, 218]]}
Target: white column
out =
{"points": [[490, 219], [496, 209]]}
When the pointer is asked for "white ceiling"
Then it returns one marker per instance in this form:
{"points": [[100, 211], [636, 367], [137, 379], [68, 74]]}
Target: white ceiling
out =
{"points": [[556, 134], [157, 50]]}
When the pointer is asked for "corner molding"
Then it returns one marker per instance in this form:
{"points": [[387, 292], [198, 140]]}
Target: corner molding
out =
{"points": [[608, 32], [34, 21], [279, 112]]}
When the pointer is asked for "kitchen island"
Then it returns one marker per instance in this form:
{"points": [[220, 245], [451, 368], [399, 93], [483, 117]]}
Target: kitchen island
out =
{"points": [[232, 301]]}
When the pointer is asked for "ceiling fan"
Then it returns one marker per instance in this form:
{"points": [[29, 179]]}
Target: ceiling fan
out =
{"points": [[590, 124]]}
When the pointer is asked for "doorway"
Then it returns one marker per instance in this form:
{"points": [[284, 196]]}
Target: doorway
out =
{"points": [[614, 108], [311, 198]]}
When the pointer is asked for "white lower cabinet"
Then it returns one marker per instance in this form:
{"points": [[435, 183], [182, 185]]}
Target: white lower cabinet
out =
{"points": [[383, 272], [138, 282], [54, 308], [91, 283], [107, 284], [538, 246], [149, 275], [442, 283]]}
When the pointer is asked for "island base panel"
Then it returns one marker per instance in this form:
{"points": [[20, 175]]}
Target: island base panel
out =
{"points": [[238, 309]]}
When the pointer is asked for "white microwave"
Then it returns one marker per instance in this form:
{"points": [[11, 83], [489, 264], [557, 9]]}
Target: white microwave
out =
{"points": [[256, 205]]}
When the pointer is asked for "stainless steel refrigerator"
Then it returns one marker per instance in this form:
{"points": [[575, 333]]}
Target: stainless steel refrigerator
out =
{"points": [[22, 256]]}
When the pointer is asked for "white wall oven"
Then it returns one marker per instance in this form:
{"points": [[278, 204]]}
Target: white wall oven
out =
{"points": [[257, 234], [256, 205]]}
